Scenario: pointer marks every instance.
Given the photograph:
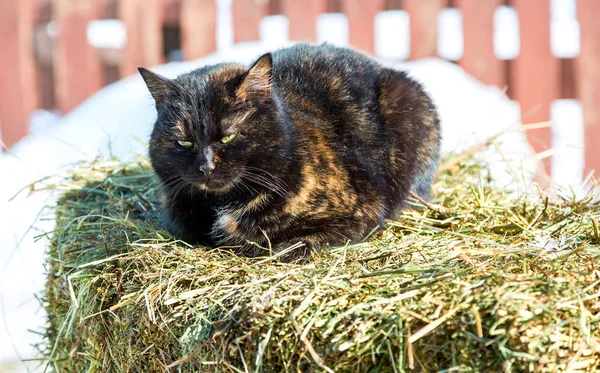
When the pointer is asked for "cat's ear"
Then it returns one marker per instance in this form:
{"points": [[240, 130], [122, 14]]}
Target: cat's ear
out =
{"points": [[257, 81], [159, 86]]}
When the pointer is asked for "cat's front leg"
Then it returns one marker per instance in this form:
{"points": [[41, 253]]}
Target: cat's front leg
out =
{"points": [[192, 226], [336, 232]]}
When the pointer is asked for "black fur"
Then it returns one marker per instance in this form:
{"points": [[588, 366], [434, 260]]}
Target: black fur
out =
{"points": [[328, 144]]}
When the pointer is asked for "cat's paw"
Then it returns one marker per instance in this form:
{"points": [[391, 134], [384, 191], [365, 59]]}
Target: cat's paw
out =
{"points": [[297, 249]]}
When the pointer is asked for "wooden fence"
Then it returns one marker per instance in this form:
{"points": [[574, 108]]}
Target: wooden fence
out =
{"points": [[61, 72]]}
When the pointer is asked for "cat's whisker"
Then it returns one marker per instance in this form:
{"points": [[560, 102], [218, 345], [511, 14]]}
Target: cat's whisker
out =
{"points": [[238, 186], [266, 184], [156, 180], [169, 179], [270, 183], [169, 184], [276, 179], [245, 185], [241, 186], [175, 189]]}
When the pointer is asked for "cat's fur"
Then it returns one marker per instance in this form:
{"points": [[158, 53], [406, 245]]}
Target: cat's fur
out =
{"points": [[328, 144]]}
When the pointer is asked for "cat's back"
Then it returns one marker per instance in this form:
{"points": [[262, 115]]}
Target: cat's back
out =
{"points": [[324, 72], [380, 124]]}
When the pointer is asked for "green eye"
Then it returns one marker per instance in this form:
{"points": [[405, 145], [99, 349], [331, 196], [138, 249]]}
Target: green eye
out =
{"points": [[228, 138], [185, 144]]}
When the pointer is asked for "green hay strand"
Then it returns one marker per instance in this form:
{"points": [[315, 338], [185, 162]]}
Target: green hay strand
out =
{"points": [[479, 279]]}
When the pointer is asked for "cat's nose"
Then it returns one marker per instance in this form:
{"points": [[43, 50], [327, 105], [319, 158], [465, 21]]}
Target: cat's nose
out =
{"points": [[206, 162], [206, 169]]}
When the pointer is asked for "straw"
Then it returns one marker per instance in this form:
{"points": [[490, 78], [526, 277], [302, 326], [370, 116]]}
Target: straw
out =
{"points": [[477, 279]]}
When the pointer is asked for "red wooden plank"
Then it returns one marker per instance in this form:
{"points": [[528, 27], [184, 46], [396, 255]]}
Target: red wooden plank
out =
{"points": [[535, 74], [198, 28], [18, 94], [423, 26], [171, 12], [43, 11], [478, 30], [143, 19], [361, 18], [107, 9], [589, 80], [246, 18], [302, 16], [274, 7], [77, 69], [568, 78]]}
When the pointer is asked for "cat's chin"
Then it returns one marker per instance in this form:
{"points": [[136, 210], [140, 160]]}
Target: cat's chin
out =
{"points": [[215, 187]]}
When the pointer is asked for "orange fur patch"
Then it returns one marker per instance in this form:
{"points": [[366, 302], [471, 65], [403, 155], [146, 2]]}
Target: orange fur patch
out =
{"points": [[322, 176]]}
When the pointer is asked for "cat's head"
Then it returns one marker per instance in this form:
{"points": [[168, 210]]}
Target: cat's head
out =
{"points": [[218, 128]]}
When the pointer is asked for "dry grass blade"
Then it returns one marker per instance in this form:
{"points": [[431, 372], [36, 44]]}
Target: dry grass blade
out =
{"points": [[478, 279]]}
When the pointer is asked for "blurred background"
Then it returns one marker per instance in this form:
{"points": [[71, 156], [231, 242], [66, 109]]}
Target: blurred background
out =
{"points": [[542, 57], [56, 53]]}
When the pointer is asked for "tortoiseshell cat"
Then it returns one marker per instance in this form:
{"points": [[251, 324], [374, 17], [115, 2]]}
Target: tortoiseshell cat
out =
{"points": [[312, 144]]}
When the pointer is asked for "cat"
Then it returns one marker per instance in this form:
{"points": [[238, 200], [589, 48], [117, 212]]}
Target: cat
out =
{"points": [[310, 146]]}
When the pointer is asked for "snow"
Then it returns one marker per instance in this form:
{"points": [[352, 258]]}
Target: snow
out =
{"points": [[118, 120]]}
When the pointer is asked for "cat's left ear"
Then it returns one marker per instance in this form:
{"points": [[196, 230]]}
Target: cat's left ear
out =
{"points": [[257, 81], [159, 86]]}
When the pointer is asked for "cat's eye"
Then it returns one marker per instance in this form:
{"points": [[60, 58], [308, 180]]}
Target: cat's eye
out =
{"points": [[228, 138], [184, 143]]}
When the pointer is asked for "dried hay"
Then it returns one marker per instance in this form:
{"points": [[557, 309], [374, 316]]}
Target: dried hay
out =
{"points": [[480, 279]]}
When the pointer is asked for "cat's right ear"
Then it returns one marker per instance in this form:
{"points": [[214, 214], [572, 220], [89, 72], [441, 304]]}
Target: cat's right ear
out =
{"points": [[257, 81], [159, 86]]}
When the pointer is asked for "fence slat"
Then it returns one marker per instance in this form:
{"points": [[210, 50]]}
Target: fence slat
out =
{"points": [[198, 28], [302, 16], [361, 18], [478, 30], [18, 94], [43, 11], [171, 12], [143, 19], [589, 80], [77, 70], [535, 73], [423, 26], [246, 19]]}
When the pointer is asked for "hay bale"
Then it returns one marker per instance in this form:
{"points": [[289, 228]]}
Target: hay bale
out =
{"points": [[478, 280]]}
